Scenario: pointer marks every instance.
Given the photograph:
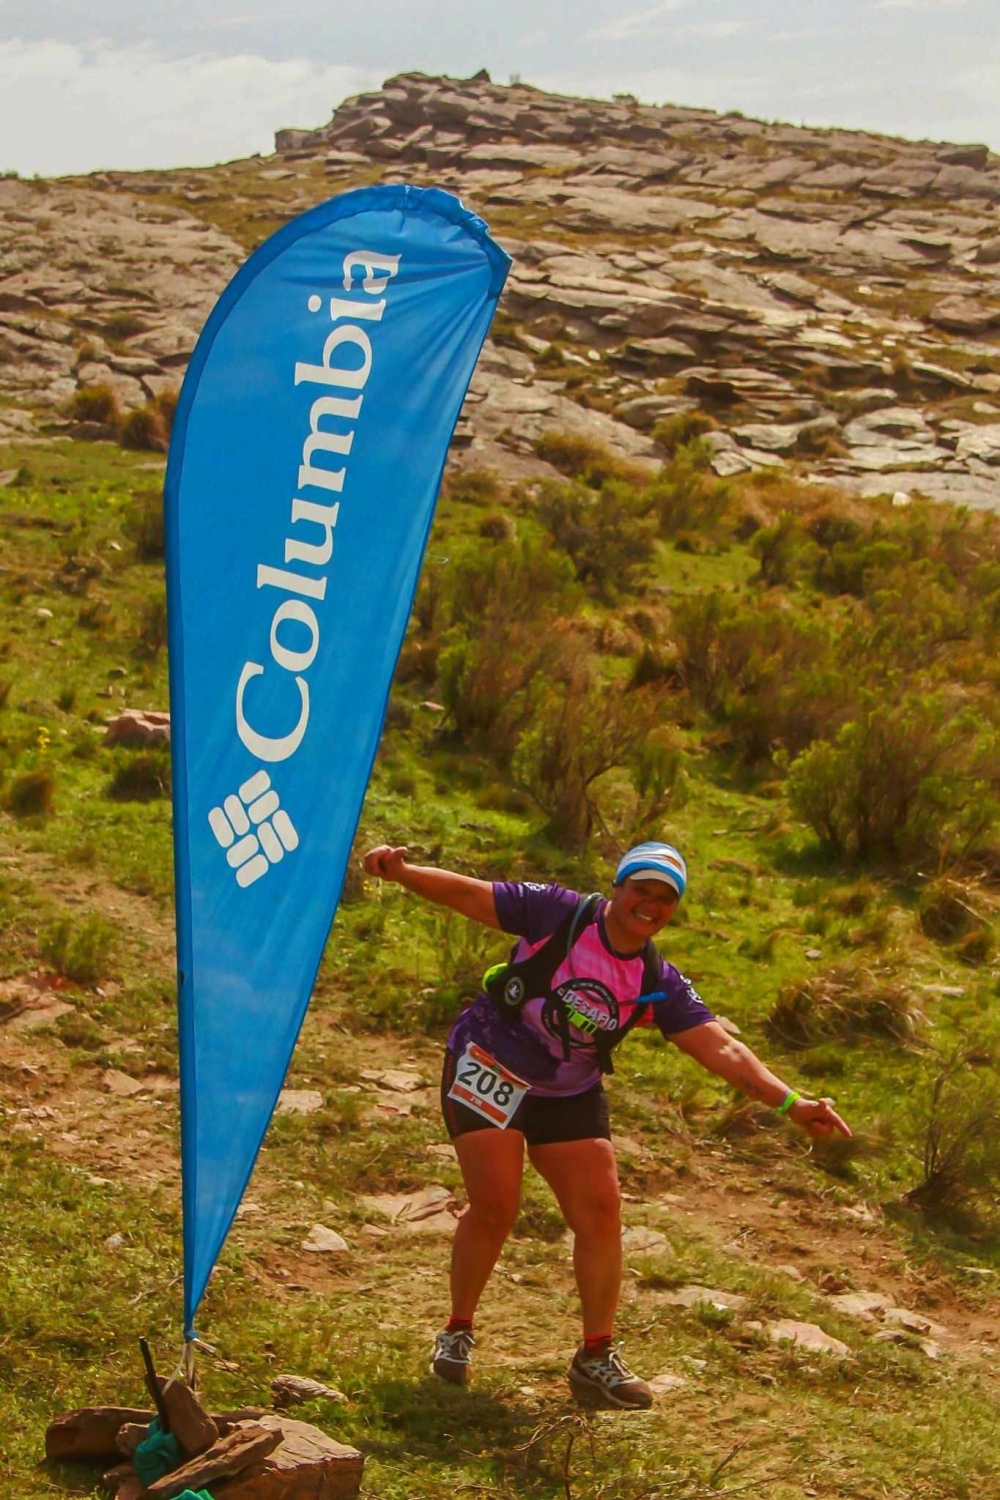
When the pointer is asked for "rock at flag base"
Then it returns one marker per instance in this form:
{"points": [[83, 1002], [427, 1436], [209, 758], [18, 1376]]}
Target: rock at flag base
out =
{"points": [[306, 1465], [245, 1445], [190, 1424], [90, 1432], [261, 1456]]}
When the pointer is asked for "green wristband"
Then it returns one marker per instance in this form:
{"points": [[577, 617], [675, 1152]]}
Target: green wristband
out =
{"points": [[786, 1103]]}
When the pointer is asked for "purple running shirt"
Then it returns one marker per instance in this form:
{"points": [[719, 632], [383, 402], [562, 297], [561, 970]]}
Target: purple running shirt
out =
{"points": [[606, 987]]}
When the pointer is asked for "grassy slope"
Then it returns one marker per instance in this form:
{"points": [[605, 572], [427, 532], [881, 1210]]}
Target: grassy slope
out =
{"points": [[79, 1165]]}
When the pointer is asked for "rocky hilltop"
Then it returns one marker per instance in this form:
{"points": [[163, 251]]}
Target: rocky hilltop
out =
{"points": [[830, 299]]}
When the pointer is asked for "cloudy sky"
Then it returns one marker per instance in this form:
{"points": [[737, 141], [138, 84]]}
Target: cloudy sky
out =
{"points": [[86, 84]]}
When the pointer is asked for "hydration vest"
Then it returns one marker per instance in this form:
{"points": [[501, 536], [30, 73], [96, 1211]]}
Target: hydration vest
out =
{"points": [[511, 985]]}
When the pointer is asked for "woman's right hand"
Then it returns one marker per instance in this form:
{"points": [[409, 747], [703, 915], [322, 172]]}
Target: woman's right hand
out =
{"points": [[385, 861]]}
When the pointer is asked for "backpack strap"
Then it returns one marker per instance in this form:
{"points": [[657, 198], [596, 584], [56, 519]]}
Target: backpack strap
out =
{"points": [[650, 992], [512, 984]]}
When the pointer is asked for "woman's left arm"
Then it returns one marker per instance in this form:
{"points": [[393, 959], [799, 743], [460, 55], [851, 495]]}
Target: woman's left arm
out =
{"points": [[712, 1046]]}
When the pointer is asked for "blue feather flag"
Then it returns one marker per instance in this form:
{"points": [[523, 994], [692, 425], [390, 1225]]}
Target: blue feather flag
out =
{"points": [[306, 457]]}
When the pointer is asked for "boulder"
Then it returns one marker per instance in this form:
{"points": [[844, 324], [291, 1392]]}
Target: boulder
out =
{"points": [[90, 1432], [299, 1102], [136, 726], [305, 1464], [707, 1296], [653, 352], [974, 156], [643, 412], [638, 1239], [807, 1336], [293, 1390], [964, 315], [324, 1241], [247, 1444], [190, 1424], [966, 182], [988, 252], [770, 439], [982, 442]]}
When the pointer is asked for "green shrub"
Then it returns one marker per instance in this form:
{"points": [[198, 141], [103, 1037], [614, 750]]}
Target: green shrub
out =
{"points": [[142, 777], [784, 550], [606, 534], [81, 950], [498, 526], [489, 683], [123, 325], [586, 459], [144, 430], [475, 486], [908, 777], [682, 427], [583, 727], [152, 633], [77, 1029], [95, 615], [959, 1120], [501, 607], [946, 911], [32, 794], [144, 527], [166, 404], [517, 580], [769, 674], [687, 496], [95, 403], [976, 947], [655, 664], [843, 1003], [465, 950]]}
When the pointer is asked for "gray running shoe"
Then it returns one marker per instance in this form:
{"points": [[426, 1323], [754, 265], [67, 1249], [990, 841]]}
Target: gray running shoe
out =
{"points": [[606, 1378], [452, 1355]]}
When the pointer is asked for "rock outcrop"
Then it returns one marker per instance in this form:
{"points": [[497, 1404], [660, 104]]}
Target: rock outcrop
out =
{"points": [[830, 298]]}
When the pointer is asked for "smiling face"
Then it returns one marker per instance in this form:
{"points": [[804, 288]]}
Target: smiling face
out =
{"points": [[637, 910]]}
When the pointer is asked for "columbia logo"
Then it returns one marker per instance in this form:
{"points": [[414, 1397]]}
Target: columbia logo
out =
{"points": [[253, 829]]}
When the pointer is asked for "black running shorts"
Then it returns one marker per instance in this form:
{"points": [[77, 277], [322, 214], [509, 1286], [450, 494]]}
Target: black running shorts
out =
{"points": [[542, 1121]]}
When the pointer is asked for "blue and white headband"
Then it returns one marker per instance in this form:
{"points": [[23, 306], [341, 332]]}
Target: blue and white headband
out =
{"points": [[654, 861]]}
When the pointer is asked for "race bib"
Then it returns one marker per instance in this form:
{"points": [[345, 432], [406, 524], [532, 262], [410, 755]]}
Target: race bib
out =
{"points": [[483, 1084]]}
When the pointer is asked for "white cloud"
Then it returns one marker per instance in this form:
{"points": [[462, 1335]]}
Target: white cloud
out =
{"points": [[920, 4], [623, 28], [816, 33], [713, 30], [66, 108]]}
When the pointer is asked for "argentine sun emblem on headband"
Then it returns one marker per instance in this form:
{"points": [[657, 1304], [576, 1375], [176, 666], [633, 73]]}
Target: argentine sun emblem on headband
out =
{"points": [[308, 448]]}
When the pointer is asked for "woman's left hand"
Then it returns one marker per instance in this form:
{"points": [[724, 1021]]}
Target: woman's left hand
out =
{"points": [[818, 1117]]}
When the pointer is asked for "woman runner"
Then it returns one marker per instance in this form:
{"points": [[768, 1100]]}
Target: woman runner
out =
{"points": [[523, 1070]]}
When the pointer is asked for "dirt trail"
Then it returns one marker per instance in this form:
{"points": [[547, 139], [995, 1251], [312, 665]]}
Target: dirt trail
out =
{"points": [[118, 1128], [121, 1123]]}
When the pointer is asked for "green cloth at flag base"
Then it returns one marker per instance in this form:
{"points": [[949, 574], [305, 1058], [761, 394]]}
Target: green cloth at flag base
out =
{"points": [[157, 1454]]}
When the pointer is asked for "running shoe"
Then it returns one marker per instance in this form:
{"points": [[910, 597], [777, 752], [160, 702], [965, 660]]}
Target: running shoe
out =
{"points": [[606, 1378], [452, 1355]]}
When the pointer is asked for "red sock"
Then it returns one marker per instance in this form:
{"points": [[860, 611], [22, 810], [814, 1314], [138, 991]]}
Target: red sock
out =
{"points": [[459, 1325], [596, 1343]]}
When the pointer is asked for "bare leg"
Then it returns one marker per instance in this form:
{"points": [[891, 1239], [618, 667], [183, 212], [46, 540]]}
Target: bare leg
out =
{"points": [[584, 1177], [492, 1163]]}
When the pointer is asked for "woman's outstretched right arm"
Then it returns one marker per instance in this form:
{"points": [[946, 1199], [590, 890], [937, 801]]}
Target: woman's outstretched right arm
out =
{"points": [[462, 893]]}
